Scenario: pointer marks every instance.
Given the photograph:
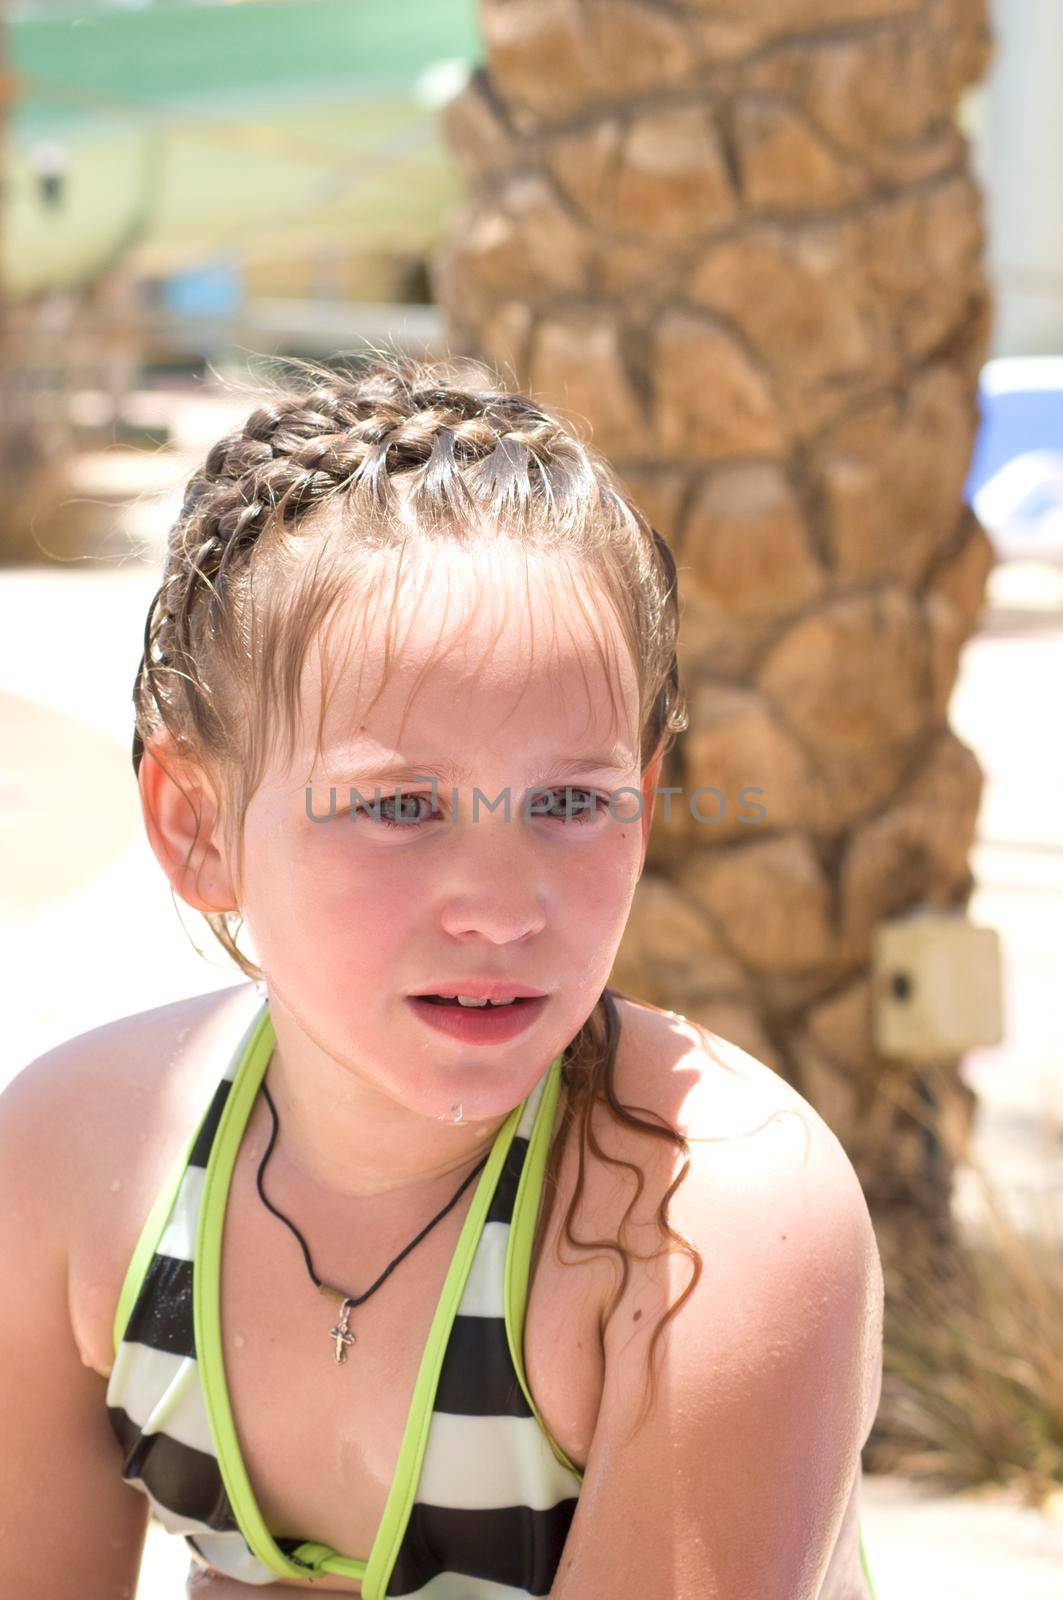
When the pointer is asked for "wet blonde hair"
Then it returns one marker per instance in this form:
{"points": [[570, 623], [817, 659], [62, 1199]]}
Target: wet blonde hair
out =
{"points": [[331, 479]]}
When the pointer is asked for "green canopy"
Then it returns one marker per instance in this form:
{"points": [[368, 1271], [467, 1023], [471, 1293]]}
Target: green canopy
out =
{"points": [[179, 131]]}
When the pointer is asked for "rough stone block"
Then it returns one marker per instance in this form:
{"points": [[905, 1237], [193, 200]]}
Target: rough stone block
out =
{"points": [[712, 400]]}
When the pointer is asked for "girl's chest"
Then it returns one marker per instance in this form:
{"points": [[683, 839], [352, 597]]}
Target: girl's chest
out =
{"points": [[321, 1439]]}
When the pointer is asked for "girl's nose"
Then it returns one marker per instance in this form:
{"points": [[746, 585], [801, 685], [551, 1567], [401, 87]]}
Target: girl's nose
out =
{"points": [[495, 887]]}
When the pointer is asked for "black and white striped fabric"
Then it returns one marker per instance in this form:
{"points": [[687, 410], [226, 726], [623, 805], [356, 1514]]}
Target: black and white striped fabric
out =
{"points": [[486, 1515]]}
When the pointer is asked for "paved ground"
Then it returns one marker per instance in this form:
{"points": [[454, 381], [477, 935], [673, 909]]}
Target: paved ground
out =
{"points": [[88, 930], [958, 1547]]}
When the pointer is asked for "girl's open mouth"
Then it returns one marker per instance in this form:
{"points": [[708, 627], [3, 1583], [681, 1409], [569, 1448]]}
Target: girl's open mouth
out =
{"points": [[490, 1023]]}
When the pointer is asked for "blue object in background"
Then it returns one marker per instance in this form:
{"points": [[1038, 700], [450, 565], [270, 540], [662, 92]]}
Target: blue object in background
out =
{"points": [[1015, 485], [214, 289]]}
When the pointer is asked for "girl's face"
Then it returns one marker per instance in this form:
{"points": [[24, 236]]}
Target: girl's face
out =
{"points": [[353, 916]]}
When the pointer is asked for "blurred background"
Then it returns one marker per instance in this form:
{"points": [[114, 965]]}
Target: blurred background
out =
{"points": [[798, 269]]}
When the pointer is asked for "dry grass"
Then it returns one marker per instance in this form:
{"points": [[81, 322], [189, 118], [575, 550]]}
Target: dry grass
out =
{"points": [[973, 1358]]}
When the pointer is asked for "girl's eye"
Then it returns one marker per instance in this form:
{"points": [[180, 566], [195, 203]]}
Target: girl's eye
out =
{"points": [[565, 804], [575, 805], [396, 810]]}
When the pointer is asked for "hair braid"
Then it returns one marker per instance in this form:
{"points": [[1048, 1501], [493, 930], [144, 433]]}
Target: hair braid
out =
{"points": [[295, 453]]}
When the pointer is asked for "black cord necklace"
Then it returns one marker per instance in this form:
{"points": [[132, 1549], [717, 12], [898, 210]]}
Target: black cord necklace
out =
{"points": [[340, 1333]]}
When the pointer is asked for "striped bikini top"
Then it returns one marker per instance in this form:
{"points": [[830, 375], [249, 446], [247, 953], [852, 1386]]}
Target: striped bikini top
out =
{"points": [[482, 1498]]}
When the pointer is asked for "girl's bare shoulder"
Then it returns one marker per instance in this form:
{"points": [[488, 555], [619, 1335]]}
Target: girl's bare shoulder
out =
{"points": [[108, 1111], [700, 1082], [752, 1139]]}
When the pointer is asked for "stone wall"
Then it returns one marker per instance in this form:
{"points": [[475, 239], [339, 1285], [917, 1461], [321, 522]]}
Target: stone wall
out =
{"points": [[746, 252]]}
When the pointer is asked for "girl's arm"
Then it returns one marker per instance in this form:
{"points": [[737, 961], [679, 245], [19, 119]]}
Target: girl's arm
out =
{"points": [[70, 1529], [744, 1479]]}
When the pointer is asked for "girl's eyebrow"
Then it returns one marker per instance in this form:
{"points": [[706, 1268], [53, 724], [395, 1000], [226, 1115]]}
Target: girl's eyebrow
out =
{"points": [[615, 760]]}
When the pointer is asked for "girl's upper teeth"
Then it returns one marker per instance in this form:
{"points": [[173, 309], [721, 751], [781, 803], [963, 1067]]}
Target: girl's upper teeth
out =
{"points": [[467, 1000]]}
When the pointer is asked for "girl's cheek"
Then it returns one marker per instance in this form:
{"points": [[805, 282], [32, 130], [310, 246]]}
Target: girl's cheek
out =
{"points": [[605, 875]]}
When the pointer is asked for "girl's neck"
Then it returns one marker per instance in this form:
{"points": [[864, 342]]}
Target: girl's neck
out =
{"points": [[341, 1139], [332, 1155]]}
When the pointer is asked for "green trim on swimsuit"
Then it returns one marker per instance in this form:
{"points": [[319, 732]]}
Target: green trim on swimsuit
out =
{"points": [[316, 1558], [206, 1296], [411, 1455], [863, 1563], [521, 1239], [150, 1234]]}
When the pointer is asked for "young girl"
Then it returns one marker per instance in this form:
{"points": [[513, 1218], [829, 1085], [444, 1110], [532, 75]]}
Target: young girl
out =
{"points": [[371, 1274]]}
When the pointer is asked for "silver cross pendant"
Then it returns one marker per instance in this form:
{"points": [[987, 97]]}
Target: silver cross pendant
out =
{"points": [[341, 1334]]}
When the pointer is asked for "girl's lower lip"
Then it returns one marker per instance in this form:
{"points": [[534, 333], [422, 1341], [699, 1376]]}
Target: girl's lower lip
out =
{"points": [[479, 1024]]}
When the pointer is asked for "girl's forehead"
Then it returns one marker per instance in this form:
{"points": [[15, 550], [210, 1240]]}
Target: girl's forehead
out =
{"points": [[486, 647]]}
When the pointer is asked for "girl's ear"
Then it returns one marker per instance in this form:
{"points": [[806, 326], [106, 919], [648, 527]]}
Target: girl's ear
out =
{"points": [[174, 793], [650, 778]]}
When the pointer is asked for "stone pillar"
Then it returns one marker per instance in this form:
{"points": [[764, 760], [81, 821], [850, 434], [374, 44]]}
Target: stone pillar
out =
{"points": [[747, 250]]}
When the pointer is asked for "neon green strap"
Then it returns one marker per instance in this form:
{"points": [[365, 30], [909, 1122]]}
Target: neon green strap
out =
{"points": [[863, 1563], [206, 1296], [150, 1235], [521, 1239], [415, 1439]]}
